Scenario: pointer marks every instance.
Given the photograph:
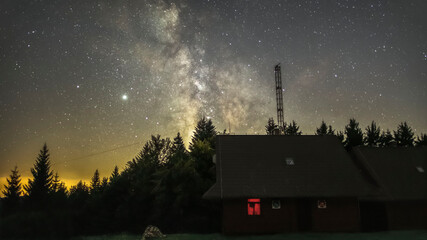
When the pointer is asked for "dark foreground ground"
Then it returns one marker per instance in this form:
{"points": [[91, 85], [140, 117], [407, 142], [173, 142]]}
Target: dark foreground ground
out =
{"points": [[404, 235]]}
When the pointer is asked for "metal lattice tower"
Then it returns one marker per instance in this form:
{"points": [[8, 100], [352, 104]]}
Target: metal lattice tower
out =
{"points": [[279, 96]]}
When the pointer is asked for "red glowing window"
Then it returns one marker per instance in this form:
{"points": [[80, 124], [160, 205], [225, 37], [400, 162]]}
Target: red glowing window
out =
{"points": [[254, 206]]}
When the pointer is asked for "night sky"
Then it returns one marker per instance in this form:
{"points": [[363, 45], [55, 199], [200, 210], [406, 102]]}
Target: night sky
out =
{"points": [[94, 79]]}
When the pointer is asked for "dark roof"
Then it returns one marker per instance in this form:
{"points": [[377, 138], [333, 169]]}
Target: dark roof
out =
{"points": [[255, 166], [397, 170]]}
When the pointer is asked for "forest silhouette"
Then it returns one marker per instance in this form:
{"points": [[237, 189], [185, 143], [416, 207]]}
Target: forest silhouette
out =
{"points": [[162, 186]]}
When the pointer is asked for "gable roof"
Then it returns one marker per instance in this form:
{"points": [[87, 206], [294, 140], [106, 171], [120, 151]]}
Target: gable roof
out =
{"points": [[397, 170], [255, 166]]}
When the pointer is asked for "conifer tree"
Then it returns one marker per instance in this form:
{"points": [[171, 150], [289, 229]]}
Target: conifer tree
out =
{"points": [[57, 185], [292, 129], [270, 127], [58, 192], [340, 136], [178, 146], [115, 174], [13, 189], [404, 136], [104, 184], [386, 139], [354, 134], [331, 131], [421, 140], [324, 129], [205, 131], [95, 183], [372, 138], [39, 187]]}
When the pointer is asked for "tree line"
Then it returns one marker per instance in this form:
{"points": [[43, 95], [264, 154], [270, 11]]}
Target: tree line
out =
{"points": [[353, 135], [162, 186]]}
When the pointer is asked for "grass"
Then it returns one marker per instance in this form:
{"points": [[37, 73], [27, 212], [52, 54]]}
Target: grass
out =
{"points": [[395, 235]]}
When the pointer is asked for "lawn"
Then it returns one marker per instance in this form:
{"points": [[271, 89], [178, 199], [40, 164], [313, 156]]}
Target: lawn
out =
{"points": [[398, 235]]}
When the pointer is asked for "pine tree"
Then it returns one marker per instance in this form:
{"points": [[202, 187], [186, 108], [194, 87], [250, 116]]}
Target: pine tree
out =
{"points": [[421, 140], [39, 187], [372, 138], [104, 184], [79, 195], [404, 136], [57, 185], [340, 136], [271, 127], [13, 190], [115, 174], [178, 146], [292, 129], [386, 139], [354, 134], [331, 131], [324, 129], [95, 183], [58, 192], [205, 130]]}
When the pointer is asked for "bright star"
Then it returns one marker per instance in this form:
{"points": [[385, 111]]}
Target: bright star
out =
{"points": [[125, 97]]}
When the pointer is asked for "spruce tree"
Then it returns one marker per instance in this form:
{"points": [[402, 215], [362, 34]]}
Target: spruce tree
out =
{"points": [[205, 131], [95, 183], [178, 146], [57, 185], [404, 136], [270, 127], [331, 131], [58, 192], [114, 174], [39, 187], [354, 134], [340, 136], [372, 138], [421, 140], [386, 139], [292, 129], [13, 190], [324, 129]]}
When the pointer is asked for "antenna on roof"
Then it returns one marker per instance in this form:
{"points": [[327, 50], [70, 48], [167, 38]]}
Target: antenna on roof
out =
{"points": [[279, 97]]}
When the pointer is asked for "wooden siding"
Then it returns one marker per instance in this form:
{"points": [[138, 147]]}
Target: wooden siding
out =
{"points": [[236, 220], [341, 215], [407, 215]]}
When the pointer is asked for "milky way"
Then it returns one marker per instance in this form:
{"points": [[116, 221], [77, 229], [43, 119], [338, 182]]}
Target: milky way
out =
{"points": [[88, 77]]}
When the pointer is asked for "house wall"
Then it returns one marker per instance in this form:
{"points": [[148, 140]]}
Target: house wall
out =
{"points": [[406, 215], [341, 215], [235, 217]]}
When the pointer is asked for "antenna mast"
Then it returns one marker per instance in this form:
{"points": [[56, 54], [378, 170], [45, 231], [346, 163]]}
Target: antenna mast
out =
{"points": [[279, 96]]}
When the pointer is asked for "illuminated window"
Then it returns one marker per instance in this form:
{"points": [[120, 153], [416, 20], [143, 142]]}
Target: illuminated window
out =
{"points": [[321, 204], [254, 206]]}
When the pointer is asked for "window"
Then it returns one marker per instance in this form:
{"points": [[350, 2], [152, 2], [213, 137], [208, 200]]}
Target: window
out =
{"points": [[254, 206], [321, 204], [275, 204], [290, 161]]}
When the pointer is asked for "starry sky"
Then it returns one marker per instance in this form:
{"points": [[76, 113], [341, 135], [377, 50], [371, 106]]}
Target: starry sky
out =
{"points": [[94, 79]]}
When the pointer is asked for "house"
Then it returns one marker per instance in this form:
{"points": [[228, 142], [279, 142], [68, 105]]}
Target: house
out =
{"points": [[273, 184], [401, 175]]}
